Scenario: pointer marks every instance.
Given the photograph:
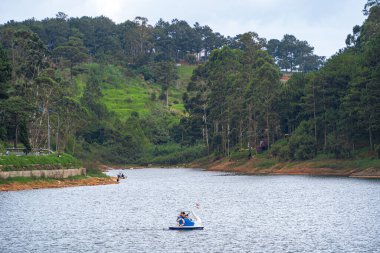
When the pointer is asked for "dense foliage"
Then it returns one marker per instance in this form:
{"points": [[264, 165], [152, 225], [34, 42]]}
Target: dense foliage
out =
{"points": [[113, 92], [292, 54], [236, 99], [96, 89]]}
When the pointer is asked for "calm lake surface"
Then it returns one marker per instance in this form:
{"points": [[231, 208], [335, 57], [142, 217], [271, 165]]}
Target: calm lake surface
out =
{"points": [[240, 214]]}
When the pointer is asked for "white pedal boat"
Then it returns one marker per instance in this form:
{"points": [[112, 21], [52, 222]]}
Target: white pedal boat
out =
{"points": [[188, 220]]}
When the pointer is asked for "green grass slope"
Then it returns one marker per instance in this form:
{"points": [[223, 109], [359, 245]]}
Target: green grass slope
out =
{"points": [[124, 94], [132, 96], [184, 74], [13, 162]]}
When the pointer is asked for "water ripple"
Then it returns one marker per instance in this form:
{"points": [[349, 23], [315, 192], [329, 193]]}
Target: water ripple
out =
{"points": [[241, 214]]}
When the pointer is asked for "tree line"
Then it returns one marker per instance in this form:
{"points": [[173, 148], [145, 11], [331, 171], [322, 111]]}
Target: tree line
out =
{"points": [[137, 42], [235, 100]]}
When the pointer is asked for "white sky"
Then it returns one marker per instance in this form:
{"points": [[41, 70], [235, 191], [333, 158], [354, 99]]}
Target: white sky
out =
{"points": [[323, 23]]}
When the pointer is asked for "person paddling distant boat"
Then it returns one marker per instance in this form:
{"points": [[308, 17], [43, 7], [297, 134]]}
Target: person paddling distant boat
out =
{"points": [[120, 176]]}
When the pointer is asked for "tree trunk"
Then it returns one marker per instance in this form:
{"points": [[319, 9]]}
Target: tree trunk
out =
{"points": [[315, 116], [216, 127], [250, 124], [57, 138], [182, 138], [223, 144], [167, 97], [370, 135], [16, 133], [74, 143], [228, 139], [324, 118], [267, 121], [13, 64], [254, 130], [205, 129], [241, 133], [71, 72]]}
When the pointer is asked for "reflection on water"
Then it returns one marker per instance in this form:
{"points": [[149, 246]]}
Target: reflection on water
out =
{"points": [[240, 214]]}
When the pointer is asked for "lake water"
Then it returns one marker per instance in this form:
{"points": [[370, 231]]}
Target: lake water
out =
{"points": [[240, 214]]}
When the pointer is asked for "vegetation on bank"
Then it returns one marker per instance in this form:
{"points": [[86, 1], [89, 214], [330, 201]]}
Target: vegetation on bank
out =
{"points": [[361, 165], [362, 159], [13, 162], [174, 154], [94, 175]]}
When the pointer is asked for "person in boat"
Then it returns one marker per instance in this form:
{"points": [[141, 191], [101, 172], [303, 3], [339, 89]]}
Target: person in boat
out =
{"points": [[182, 215], [181, 219], [184, 220]]}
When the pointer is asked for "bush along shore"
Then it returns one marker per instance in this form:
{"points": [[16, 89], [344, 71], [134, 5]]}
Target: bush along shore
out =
{"points": [[29, 172], [262, 164]]}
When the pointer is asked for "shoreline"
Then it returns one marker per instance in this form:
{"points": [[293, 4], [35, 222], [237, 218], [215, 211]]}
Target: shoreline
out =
{"points": [[56, 183], [249, 167], [244, 167]]}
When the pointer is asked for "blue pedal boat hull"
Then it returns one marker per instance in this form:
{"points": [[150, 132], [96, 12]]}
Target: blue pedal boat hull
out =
{"points": [[186, 228]]}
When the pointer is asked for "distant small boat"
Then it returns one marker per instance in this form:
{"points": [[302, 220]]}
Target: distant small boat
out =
{"points": [[188, 220]]}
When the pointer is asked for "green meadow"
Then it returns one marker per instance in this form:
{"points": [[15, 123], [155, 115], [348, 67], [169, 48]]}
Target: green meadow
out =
{"points": [[123, 94]]}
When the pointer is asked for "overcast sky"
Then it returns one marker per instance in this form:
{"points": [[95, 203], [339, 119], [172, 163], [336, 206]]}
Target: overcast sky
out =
{"points": [[323, 23]]}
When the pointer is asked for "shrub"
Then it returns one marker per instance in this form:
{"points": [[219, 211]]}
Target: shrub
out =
{"points": [[280, 149], [302, 143], [2, 147], [172, 154], [377, 150], [266, 163], [93, 169], [338, 147], [153, 96], [147, 72]]}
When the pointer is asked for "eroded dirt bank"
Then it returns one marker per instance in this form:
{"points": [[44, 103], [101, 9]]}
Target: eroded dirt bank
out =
{"points": [[40, 184], [300, 168]]}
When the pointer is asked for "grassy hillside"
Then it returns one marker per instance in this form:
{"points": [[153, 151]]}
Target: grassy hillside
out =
{"points": [[184, 73], [124, 93], [131, 96]]}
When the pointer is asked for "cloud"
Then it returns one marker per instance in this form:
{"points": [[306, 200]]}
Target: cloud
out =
{"points": [[109, 8]]}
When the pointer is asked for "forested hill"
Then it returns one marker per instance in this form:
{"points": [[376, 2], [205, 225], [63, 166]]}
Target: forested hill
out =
{"points": [[170, 93]]}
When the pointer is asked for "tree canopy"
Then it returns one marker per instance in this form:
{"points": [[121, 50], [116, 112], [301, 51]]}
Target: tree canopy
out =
{"points": [[54, 73]]}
